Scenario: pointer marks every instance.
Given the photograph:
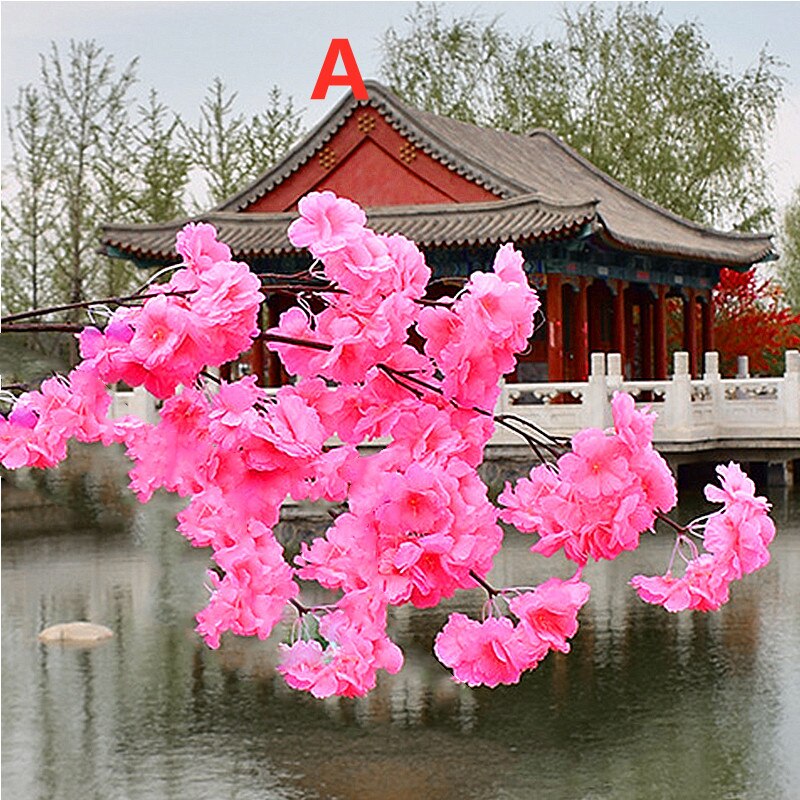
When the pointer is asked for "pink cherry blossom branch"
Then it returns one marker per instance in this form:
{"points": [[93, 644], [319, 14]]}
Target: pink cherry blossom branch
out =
{"points": [[400, 377]]}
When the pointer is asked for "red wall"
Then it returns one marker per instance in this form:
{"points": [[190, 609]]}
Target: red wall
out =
{"points": [[371, 163]]}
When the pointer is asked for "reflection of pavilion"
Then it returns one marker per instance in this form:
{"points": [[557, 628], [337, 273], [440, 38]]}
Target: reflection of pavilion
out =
{"points": [[605, 258]]}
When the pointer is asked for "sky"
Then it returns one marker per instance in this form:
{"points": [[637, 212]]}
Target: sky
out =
{"points": [[183, 46]]}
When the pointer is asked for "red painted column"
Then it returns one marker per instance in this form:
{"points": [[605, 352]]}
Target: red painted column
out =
{"points": [[273, 361], [630, 338], [708, 322], [646, 321], [690, 331], [555, 329], [257, 351], [619, 322], [581, 333], [595, 309], [660, 334]]}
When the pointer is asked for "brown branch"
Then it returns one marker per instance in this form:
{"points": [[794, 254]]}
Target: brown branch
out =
{"points": [[490, 590], [40, 312], [274, 337], [301, 609], [211, 377], [31, 327], [676, 526]]}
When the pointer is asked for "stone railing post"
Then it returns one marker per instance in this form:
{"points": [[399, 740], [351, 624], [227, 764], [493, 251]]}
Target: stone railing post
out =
{"points": [[502, 400], [597, 410], [742, 366], [712, 377], [614, 371], [678, 400], [144, 405], [789, 390], [613, 381]]}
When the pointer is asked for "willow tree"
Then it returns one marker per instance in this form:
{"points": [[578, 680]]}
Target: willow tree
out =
{"points": [[644, 100]]}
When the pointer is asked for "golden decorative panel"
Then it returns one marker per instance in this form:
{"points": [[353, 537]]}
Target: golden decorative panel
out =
{"points": [[327, 157], [366, 123], [408, 152]]}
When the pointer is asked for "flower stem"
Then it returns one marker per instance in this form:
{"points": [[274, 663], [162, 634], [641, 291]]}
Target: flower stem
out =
{"points": [[490, 590]]}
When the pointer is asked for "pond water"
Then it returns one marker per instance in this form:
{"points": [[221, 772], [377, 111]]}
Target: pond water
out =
{"points": [[648, 704]]}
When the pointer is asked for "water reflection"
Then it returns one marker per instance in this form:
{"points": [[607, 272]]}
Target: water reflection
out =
{"points": [[647, 705]]}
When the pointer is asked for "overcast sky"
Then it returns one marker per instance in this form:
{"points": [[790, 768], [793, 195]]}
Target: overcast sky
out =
{"points": [[182, 46]]}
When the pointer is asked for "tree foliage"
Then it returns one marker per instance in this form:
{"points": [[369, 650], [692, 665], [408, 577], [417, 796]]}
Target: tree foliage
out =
{"points": [[27, 220], [231, 149], [87, 102], [753, 319], [642, 99], [85, 150], [161, 162], [789, 265]]}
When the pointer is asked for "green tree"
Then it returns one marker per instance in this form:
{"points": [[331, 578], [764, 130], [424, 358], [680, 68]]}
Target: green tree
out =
{"points": [[231, 149], [451, 68], [29, 213], [215, 142], [271, 133], [84, 153], [159, 163], [87, 102], [642, 99], [789, 264]]}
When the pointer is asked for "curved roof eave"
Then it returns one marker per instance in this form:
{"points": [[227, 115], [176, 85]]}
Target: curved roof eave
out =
{"points": [[524, 218], [636, 196]]}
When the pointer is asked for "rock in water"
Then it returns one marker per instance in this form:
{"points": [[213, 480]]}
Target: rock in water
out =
{"points": [[75, 633]]}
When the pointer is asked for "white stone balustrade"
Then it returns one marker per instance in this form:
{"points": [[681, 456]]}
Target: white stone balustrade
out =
{"points": [[138, 402], [710, 410]]}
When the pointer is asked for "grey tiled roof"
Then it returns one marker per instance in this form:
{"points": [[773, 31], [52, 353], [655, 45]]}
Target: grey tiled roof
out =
{"points": [[512, 166], [255, 235]]}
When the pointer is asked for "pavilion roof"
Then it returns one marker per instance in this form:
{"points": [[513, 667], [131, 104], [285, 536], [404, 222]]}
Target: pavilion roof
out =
{"points": [[544, 186], [259, 235]]}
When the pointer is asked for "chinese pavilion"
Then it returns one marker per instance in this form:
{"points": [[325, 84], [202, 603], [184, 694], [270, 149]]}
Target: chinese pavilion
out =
{"points": [[604, 258]]}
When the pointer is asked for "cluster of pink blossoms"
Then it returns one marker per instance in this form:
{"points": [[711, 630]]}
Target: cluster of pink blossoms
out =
{"points": [[736, 539], [599, 497], [204, 316], [417, 523], [37, 430], [343, 655], [498, 650]]}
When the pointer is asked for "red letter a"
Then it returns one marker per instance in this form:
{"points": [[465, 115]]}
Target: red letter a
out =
{"points": [[352, 78]]}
